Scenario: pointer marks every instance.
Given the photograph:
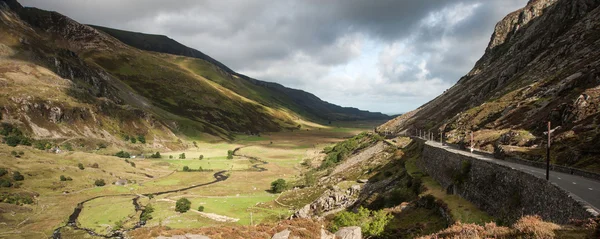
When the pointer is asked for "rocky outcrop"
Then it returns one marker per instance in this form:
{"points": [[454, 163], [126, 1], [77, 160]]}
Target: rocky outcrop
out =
{"points": [[333, 200], [541, 65], [349, 233]]}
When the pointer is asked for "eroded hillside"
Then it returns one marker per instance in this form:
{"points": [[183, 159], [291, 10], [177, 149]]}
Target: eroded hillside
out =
{"points": [[541, 65]]}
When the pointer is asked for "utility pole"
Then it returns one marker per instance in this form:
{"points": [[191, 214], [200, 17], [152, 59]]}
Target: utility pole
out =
{"points": [[548, 154], [472, 142], [441, 138]]}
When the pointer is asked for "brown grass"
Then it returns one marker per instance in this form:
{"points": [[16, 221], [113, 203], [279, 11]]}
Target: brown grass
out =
{"points": [[301, 228]]}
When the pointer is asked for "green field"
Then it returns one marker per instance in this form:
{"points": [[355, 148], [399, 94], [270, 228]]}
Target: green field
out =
{"points": [[244, 192]]}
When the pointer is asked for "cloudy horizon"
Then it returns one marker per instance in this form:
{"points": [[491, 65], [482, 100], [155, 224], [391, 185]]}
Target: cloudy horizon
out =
{"points": [[384, 56]]}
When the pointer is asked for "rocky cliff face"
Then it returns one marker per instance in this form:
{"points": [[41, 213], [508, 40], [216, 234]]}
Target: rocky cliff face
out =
{"points": [[541, 65]]}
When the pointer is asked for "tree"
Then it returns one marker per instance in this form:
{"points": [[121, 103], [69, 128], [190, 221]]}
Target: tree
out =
{"points": [[99, 182], [147, 213], [170, 156], [229, 154], [186, 168], [201, 208], [17, 176], [278, 186], [182, 205], [156, 155], [123, 154], [142, 139], [133, 140], [182, 156], [63, 178], [195, 144], [80, 166], [201, 157]]}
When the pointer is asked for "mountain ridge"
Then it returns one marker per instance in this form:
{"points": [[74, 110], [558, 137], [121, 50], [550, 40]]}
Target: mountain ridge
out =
{"points": [[539, 66]]}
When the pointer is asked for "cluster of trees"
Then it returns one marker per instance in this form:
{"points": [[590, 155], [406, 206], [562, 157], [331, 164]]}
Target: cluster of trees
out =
{"points": [[6, 182], [17, 199], [156, 155], [63, 178], [13, 136], [133, 139]]}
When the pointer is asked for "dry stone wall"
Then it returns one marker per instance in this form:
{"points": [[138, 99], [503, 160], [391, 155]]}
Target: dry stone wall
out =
{"points": [[501, 191]]}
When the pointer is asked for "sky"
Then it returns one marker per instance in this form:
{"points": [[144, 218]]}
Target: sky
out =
{"points": [[387, 56]]}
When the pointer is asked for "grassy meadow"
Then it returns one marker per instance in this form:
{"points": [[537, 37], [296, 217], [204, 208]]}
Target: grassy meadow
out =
{"points": [[230, 202]]}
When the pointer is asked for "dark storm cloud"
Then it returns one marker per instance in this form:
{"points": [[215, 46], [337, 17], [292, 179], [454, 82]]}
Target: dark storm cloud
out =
{"points": [[314, 44]]}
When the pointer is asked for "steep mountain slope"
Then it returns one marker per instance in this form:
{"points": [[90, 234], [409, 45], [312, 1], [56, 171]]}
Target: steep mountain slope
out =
{"points": [[61, 80], [267, 93], [541, 65]]}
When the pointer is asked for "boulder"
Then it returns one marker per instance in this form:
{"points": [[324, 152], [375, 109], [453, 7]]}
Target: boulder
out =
{"points": [[326, 234], [285, 234], [349, 233]]}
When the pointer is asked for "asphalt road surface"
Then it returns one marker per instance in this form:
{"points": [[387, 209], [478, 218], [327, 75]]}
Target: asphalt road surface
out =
{"points": [[586, 189]]}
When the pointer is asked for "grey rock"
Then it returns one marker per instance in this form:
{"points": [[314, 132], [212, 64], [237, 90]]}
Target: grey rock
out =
{"points": [[285, 234], [349, 233]]}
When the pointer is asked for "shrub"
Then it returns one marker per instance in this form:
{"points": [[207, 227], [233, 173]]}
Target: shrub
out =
{"points": [[201, 208], [126, 137], [80, 166], [142, 139], [182, 156], [372, 223], [132, 164], [68, 146], [101, 146], [5, 183], [147, 213], [21, 153], [133, 140], [13, 153], [63, 178], [3, 172], [186, 168], [156, 155], [99, 182], [278, 186], [123, 154], [12, 141], [182, 205], [118, 225], [170, 156], [534, 227], [39, 145], [95, 165], [229, 154], [201, 157], [17, 176]]}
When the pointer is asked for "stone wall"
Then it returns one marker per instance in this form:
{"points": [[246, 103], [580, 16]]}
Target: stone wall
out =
{"points": [[502, 192]]}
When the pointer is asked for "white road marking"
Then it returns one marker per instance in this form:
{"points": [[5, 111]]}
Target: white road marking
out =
{"points": [[558, 178], [574, 183], [590, 189]]}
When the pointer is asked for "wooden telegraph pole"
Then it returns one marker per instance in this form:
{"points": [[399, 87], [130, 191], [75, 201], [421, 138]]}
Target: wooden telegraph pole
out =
{"points": [[548, 154], [472, 142]]}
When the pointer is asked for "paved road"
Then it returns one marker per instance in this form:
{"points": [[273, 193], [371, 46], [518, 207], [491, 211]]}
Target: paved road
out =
{"points": [[586, 189]]}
